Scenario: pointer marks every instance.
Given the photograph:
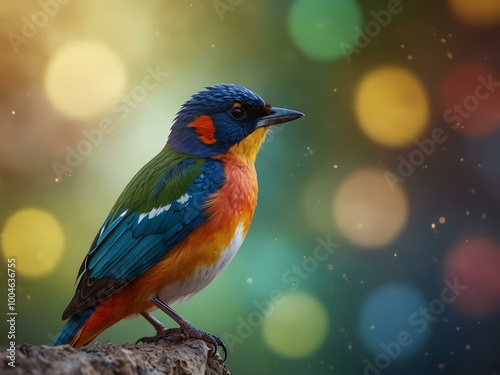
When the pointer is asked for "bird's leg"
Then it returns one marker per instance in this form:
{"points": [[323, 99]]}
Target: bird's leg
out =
{"points": [[186, 330], [159, 327]]}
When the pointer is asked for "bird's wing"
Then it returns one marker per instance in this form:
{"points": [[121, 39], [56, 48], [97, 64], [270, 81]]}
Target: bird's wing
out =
{"points": [[162, 205]]}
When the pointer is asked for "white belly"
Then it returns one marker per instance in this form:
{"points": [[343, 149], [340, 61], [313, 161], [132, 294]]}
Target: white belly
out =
{"points": [[181, 291]]}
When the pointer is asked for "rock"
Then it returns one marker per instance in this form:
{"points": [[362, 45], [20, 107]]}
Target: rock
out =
{"points": [[191, 357]]}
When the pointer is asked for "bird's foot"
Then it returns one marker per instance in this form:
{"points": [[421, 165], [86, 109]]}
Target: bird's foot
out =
{"points": [[190, 332], [185, 331], [155, 338]]}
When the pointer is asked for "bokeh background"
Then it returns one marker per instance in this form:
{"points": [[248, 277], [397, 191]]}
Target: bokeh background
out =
{"points": [[375, 245]]}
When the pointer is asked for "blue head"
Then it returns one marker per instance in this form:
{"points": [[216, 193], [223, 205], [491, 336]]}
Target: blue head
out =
{"points": [[221, 116]]}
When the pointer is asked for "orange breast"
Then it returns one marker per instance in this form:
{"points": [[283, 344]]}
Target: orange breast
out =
{"points": [[200, 257]]}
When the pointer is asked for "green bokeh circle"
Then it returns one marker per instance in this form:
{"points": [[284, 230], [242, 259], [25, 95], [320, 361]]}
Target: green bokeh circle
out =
{"points": [[319, 27]]}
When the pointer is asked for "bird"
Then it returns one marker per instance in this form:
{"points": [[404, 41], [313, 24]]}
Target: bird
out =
{"points": [[179, 221]]}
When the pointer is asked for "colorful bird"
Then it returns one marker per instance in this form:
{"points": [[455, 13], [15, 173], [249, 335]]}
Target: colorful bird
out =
{"points": [[180, 220]]}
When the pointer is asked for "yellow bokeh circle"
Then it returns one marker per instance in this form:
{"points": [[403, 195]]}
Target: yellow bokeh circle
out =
{"points": [[391, 106], [477, 12], [297, 327], [84, 79], [369, 210], [35, 238]]}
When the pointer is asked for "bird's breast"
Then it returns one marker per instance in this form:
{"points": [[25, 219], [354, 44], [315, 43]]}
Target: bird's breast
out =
{"points": [[203, 255], [237, 198], [204, 273]]}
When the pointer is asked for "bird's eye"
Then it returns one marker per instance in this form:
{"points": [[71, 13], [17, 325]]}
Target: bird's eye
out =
{"points": [[237, 113]]}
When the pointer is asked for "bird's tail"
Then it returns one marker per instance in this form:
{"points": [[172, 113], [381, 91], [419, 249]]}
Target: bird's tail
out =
{"points": [[72, 330]]}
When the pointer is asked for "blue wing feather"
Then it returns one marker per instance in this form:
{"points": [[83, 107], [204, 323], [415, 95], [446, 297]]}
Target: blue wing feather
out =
{"points": [[131, 242]]}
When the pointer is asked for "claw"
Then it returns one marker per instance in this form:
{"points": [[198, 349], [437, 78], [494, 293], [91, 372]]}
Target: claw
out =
{"points": [[144, 340], [215, 341], [188, 332], [171, 335], [152, 339]]}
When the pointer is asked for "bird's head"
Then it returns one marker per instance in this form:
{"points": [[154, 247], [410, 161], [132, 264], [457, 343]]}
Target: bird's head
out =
{"points": [[225, 118]]}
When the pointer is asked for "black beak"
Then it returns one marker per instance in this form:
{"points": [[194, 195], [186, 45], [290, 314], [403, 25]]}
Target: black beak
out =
{"points": [[278, 116]]}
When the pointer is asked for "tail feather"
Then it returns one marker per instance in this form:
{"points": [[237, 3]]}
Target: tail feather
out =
{"points": [[73, 326]]}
